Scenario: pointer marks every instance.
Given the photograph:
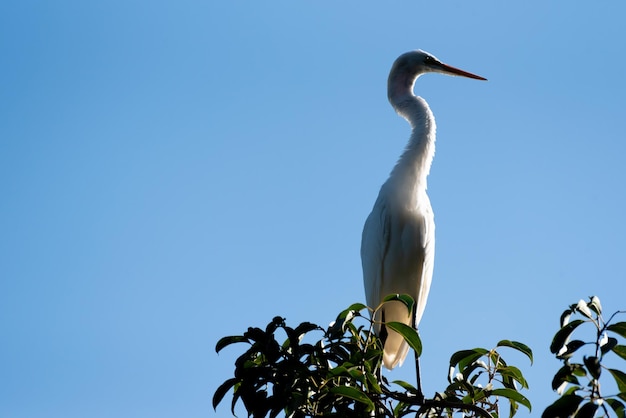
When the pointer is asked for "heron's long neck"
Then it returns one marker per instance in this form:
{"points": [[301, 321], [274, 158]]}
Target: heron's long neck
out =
{"points": [[413, 166]]}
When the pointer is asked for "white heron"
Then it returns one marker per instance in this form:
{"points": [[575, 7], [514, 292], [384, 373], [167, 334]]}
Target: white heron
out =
{"points": [[398, 242]]}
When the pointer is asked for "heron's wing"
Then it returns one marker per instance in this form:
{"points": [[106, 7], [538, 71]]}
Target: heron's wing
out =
{"points": [[407, 269], [397, 253], [408, 260], [378, 257], [374, 246], [424, 231]]}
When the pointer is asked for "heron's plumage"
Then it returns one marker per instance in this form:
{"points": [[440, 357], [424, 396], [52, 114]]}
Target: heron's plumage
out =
{"points": [[398, 251], [398, 241]]}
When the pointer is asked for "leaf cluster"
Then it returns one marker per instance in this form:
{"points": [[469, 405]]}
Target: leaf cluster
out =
{"points": [[578, 381], [481, 377], [338, 373], [333, 376]]}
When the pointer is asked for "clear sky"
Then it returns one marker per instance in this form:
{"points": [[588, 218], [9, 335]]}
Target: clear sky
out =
{"points": [[174, 172]]}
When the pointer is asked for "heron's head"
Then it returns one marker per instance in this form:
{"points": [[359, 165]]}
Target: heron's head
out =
{"points": [[409, 66]]}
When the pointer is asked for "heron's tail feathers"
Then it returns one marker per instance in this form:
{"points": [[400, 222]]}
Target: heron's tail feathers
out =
{"points": [[396, 348]]}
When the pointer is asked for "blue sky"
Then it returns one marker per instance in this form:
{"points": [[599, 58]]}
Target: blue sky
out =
{"points": [[174, 172]]}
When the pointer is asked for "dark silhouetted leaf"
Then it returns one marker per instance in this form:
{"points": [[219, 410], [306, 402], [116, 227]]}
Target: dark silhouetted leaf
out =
{"points": [[222, 390], [588, 410], [561, 336], [353, 393], [565, 317], [619, 328], [571, 348], [593, 366], [223, 342], [305, 327], [513, 395], [565, 374], [409, 334], [563, 407], [277, 322], [255, 334], [610, 344], [523, 348]]}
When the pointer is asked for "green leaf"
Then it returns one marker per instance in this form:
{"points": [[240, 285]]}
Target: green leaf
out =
{"points": [[523, 348], [465, 357], [563, 407], [222, 390], [617, 406], [562, 335], [593, 366], [349, 313], [357, 375], [619, 328], [223, 342], [578, 369], [406, 299], [513, 373], [572, 390], [513, 395], [373, 384], [406, 386], [409, 334], [620, 350], [357, 307], [513, 407], [620, 379], [588, 410], [338, 371], [353, 393]]}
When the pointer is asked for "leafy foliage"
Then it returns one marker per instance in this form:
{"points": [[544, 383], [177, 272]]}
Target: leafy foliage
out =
{"points": [[498, 378], [578, 382], [339, 373]]}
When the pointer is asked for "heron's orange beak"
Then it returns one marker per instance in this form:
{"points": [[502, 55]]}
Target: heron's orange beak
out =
{"points": [[455, 71]]}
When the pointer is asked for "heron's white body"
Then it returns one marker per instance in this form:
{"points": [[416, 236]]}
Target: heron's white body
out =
{"points": [[398, 242]]}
